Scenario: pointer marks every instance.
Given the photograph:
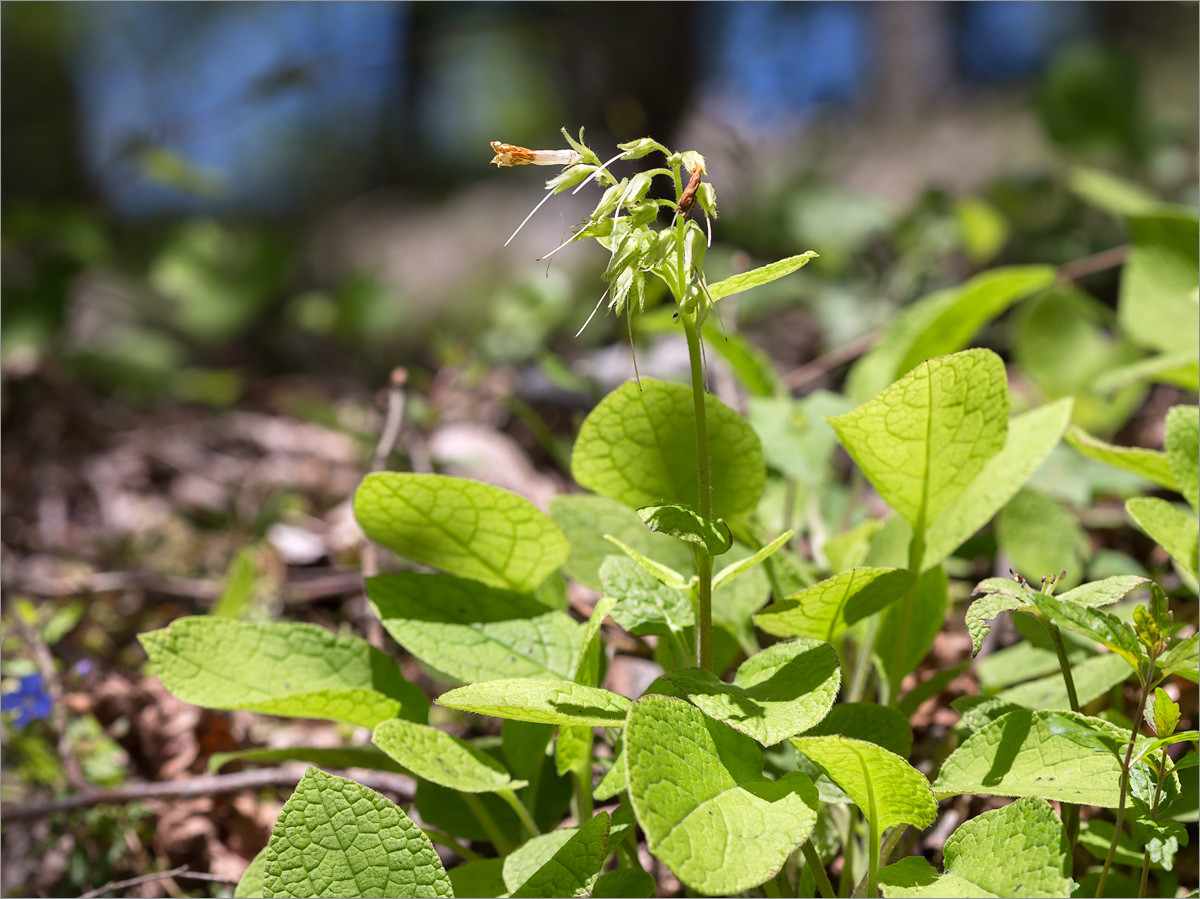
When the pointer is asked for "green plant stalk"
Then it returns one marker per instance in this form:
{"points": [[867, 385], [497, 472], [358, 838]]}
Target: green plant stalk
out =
{"points": [[1162, 770], [1120, 821], [503, 845], [820, 875], [449, 842], [704, 560], [628, 852], [862, 661], [582, 799], [518, 806], [868, 886], [1070, 812]]}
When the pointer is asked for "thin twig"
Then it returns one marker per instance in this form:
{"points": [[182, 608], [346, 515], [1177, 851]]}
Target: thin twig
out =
{"points": [[798, 377], [1090, 265], [387, 441], [182, 872], [205, 785]]}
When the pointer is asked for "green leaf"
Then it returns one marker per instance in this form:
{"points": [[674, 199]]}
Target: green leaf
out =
{"points": [[365, 756], [912, 700], [1181, 369], [684, 524], [470, 632], [915, 877], [983, 227], [869, 722], [1093, 678], [442, 758], [541, 701], [586, 518], [1163, 714], [521, 864], [462, 527], [741, 566], [753, 367], [908, 628], [884, 786], [1018, 850], [574, 868], [639, 446], [251, 883], [1158, 281], [796, 437], [297, 670], [645, 605], [573, 751], [1020, 754], [630, 883], [826, 609], [699, 795], [1182, 658], [334, 837], [1170, 527], [482, 878], [1105, 592], [613, 782], [238, 589], [1031, 437], [943, 322], [669, 577], [1100, 626], [781, 691], [924, 439], [1042, 538], [757, 277], [1106, 191], [1149, 464], [588, 671]]}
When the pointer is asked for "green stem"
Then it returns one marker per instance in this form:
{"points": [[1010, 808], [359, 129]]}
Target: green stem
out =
{"points": [[820, 875], [862, 662], [518, 806], [503, 845], [891, 841], [629, 854], [849, 849], [445, 839], [1162, 770], [583, 794], [704, 473], [868, 886], [1070, 812], [1112, 848]]}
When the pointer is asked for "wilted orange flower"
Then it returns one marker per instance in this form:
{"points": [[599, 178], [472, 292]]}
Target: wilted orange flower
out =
{"points": [[509, 154]]}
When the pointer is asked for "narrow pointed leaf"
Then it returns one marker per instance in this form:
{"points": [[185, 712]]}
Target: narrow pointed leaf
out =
{"points": [[639, 446], [364, 756], [699, 795], [1020, 754], [541, 701], [1149, 464], [759, 276], [337, 838], [781, 691], [298, 670], [666, 576], [1170, 527], [684, 524], [1183, 451], [882, 784], [462, 527], [1100, 626], [923, 440], [442, 758], [826, 609], [732, 570], [471, 632]]}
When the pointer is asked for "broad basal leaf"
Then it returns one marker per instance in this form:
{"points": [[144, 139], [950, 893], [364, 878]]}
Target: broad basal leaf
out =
{"points": [[826, 609], [471, 632], [540, 700], [868, 721], [1158, 282], [1170, 527], [645, 605], [442, 758], [1149, 464], [1019, 754], [1093, 678], [924, 439], [699, 794], [335, 837], [298, 670], [783, 690], [462, 527], [639, 446], [1182, 445], [574, 868]]}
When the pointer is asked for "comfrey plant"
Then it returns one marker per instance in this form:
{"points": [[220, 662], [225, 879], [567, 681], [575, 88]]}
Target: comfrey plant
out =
{"points": [[764, 783]]}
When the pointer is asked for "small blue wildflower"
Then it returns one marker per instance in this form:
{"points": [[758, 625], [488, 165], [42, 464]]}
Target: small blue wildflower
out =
{"points": [[31, 701]]}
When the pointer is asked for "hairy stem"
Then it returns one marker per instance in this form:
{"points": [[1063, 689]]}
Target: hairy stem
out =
{"points": [[502, 843], [704, 472], [813, 860]]}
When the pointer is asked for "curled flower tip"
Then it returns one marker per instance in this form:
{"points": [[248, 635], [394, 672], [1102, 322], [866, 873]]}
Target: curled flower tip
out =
{"points": [[509, 155]]}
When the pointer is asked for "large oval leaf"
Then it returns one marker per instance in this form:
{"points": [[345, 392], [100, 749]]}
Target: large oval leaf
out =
{"points": [[783, 690], [335, 837], [470, 632], [461, 527], [442, 758], [824, 610], [639, 446], [699, 794], [298, 670], [541, 701]]}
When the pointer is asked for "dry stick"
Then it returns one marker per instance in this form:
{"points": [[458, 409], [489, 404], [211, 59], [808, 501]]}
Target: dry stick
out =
{"points": [[205, 785], [182, 872], [1090, 265], [798, 377], [387, 440]]}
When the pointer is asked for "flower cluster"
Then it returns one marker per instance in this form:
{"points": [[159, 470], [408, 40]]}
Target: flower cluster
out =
{"points": [[624, 220]]}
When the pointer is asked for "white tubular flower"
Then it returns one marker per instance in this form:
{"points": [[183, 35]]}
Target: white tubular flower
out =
{"points": [[510, 155]]}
